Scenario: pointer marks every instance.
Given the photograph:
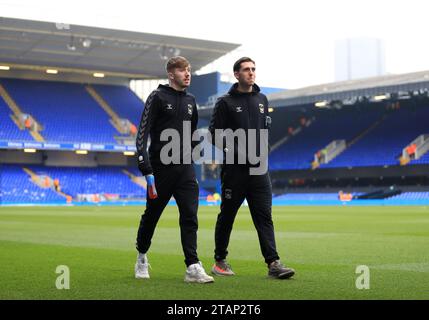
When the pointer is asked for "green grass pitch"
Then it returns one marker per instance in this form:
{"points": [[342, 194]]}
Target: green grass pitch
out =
{"points": [[323, 244]]}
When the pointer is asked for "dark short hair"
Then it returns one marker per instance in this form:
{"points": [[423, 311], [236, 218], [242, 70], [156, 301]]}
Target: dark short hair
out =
{"points": [[176, 62], [237, 64]]}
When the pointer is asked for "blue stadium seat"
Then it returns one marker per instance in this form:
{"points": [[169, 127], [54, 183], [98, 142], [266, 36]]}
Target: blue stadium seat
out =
{"points": [[16, 187], [329, 125], [122, 100], [67, 112], [8, 129], [412, 196], [379, 147], [384, 144], [102, 180]]}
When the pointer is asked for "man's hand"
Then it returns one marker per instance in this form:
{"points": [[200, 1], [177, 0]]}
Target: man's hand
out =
{"points": [[150, 180]]}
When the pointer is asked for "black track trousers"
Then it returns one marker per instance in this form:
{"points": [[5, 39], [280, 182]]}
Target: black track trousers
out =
{"points": [[178, 181], [237, 185]]}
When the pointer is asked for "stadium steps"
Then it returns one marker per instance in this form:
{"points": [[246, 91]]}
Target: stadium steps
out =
{"points": [[13, 106], [37, 136], [137, 180], [333, 150], [15, 120], [9, 101], [34, 178], [403, 161], [286, 138], [16, 114], [38, 182], [68, 197], [422, 147], [367, 131], [357, 138], [114, 118]]}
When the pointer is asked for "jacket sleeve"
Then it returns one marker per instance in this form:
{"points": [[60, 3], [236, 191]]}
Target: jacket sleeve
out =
{"points": [[194, 125], [268, 122], [147, 119], [218, 121]]}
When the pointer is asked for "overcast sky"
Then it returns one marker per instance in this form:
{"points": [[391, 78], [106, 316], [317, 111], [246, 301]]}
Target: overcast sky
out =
{"points": [[292, 42]]}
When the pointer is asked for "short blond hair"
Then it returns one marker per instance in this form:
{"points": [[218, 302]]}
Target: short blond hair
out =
{"points": [[176, 62]]}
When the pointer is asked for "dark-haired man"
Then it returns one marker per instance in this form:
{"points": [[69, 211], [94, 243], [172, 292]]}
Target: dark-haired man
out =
{"points": [[244, 108]]}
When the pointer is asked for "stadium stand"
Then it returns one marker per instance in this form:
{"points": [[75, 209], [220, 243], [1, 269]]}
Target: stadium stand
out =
{"points": [[332, 197], [375, 135], [16, 187], [384, 144], [348, 124], [9, 131], [110, 182], [69, 130], [100, 180], [412, 196], [123, 100], [65, 110], [308, 196]]}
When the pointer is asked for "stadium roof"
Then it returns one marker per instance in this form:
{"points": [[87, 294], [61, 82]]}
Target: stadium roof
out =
{"points": [[36, 45], [347, 90]]}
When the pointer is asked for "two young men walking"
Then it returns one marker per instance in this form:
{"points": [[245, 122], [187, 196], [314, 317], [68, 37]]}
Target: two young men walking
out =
{"points": [[244, 107]]}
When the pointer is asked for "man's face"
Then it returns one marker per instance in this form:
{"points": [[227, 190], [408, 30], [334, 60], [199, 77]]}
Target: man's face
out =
{"points": [[181, 76], [246, 75]]}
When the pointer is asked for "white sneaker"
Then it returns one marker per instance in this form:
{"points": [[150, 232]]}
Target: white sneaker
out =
{"points": [[141, 268], [195, 273]]}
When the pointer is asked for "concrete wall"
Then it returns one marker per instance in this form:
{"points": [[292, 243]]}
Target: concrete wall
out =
{"points": [[19, 156], [66, 158]]}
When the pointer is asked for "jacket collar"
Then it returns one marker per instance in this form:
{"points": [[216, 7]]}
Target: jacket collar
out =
{"points": [[234, 90], [167, 88]]}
